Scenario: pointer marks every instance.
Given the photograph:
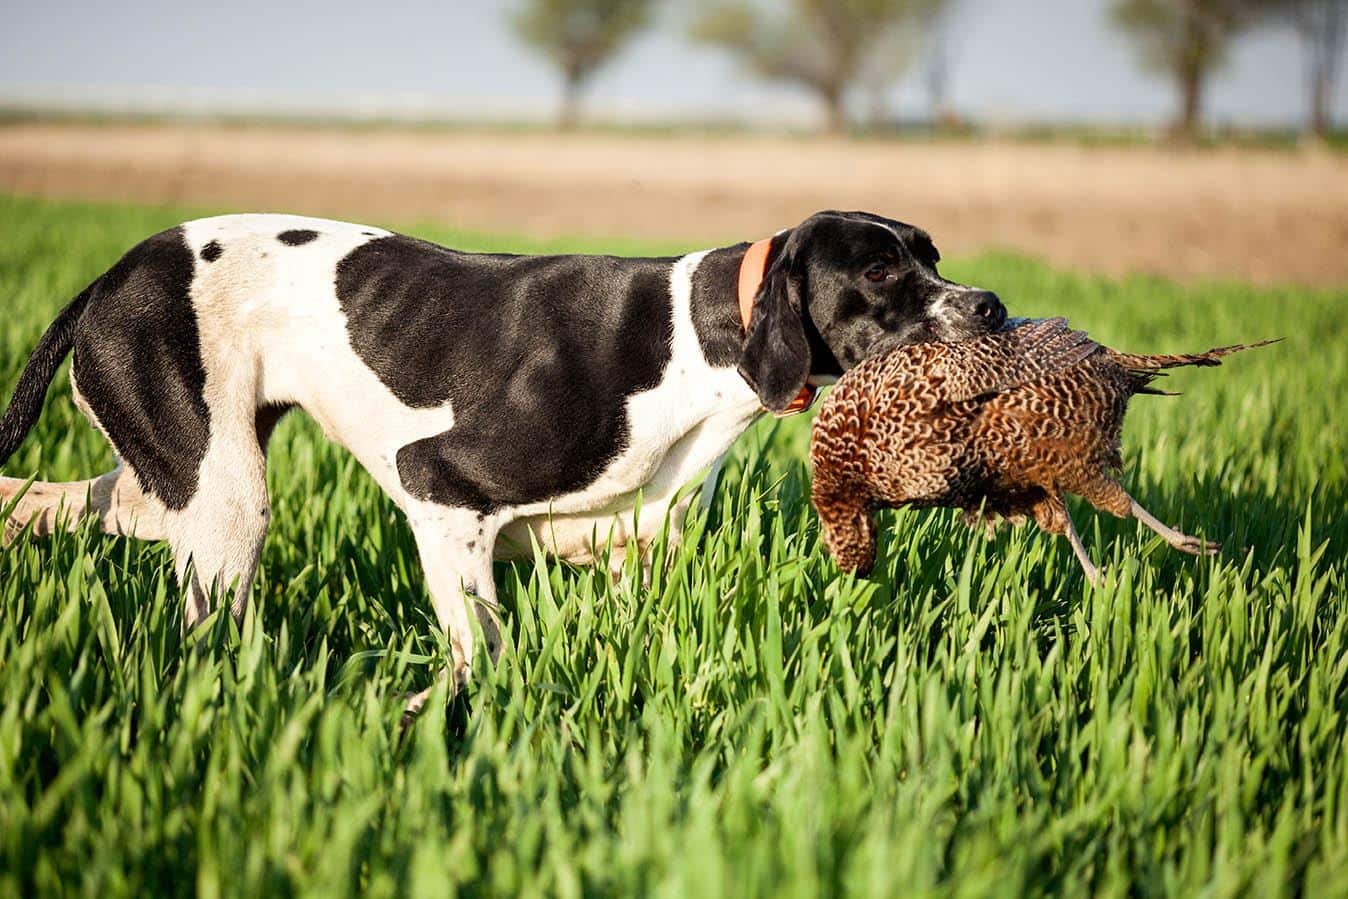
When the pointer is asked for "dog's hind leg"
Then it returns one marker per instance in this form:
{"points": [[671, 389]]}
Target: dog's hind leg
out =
{"points": [[217, 537], [455, 546], [115, 499]]}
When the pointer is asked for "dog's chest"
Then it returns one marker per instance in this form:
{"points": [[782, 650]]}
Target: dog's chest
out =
{"points": [[716, 406], [676, 428]]}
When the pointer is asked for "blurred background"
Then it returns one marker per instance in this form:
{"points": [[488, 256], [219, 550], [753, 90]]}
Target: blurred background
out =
{"points": [[1188, 138]]}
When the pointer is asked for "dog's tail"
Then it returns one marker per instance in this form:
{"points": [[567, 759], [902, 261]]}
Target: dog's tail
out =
{"points": [[26, 404]]}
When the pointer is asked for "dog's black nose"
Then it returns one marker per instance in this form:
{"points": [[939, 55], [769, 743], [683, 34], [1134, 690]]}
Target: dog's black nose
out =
{"points": [[985, 305]]}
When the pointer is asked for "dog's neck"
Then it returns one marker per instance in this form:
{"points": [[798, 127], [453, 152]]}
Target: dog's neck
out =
{"points": [[753, 266]]}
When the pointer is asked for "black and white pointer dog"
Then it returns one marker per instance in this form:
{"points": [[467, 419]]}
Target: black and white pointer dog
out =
{"points": [[490, 395]]}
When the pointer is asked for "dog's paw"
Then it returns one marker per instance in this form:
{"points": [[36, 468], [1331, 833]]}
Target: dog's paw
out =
{"points": [[457, 677]]}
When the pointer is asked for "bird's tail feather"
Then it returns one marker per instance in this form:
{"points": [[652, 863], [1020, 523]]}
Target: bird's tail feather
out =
{"points": [[1211, 357]]}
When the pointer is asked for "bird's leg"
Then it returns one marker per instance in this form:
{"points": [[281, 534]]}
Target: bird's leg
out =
{"points": [[1089, 567], [1182, 542], [1109, 495], [1050, 513]]}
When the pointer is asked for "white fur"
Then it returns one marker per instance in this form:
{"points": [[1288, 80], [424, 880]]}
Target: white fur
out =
{"points": [[290, 330], [271, 330], [677, 428]]}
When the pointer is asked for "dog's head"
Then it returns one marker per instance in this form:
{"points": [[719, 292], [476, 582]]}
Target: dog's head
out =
{"points": [[843, 286]]}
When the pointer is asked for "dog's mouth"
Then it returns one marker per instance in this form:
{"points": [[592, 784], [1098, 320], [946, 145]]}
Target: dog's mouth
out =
{"points": [[964, 314], [926, 331], [947, 331], [930, 330]]}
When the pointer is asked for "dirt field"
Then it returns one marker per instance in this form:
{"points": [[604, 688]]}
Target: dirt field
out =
{"points": [[1269, 216]]}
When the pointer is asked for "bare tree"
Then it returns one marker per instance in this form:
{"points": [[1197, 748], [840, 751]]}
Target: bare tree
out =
{"points": [[937, 74], [579, 37], [824, 45], [1186, 40], [1323, 26], [885, 63]]}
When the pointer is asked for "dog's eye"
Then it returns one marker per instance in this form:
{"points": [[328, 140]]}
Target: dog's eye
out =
{"points": [[877, 272]]}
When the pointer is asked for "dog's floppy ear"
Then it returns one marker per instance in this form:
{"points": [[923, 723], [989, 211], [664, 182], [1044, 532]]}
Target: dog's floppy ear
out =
{"points": [[776, 356]]}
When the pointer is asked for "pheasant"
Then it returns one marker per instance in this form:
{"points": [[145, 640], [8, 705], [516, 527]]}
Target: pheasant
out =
{"points": [[1001, 426]]}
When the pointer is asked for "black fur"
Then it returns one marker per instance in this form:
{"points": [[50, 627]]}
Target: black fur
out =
{"points": [[816, 312], [26, 404], [138, 364], [211, 251], [717, 321], [536, 353], [850, 318], [265, 420], [777, 359], [297, 236]]}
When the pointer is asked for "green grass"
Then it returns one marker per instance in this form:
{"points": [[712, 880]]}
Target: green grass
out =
{"points": [[974, 720]]}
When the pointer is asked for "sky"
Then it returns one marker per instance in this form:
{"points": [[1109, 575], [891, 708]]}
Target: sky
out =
{"points": [[1011, 61]]}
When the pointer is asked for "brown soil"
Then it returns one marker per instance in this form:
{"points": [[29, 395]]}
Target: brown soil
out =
{"points": [[1266, 216]]}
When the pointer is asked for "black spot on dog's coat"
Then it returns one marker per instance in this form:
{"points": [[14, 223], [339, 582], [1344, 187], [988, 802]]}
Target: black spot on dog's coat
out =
{"points": [[212, 251], [536, 354], [297, 236], [138, 364], [720, 332], [265, 420]]}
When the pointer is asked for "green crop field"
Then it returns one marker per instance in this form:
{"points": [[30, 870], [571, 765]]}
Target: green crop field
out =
{"points": [[974, 720]]}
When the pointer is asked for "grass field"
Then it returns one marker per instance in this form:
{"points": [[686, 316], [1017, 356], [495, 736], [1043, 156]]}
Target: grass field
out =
{"points": [[974, 720]]}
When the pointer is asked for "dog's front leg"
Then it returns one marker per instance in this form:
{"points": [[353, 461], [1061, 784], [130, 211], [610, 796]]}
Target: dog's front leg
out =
{"points": [[455, 546]]}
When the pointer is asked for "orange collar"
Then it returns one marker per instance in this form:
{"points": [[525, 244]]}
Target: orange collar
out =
{"points": [[752, 269]]}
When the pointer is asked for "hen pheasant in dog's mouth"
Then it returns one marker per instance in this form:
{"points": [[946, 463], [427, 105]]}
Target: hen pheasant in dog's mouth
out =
{"points": [[1001, 426]]}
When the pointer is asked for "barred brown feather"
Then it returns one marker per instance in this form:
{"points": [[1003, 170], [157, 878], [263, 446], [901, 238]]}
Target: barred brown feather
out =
{"points": [[1001, 426]]}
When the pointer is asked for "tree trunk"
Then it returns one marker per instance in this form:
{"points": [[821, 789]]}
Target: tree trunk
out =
{"points": [[879, 114], [569, 117], [1320, 102], [1186, 125], [835, 111], [938, 79], [1195, 52], [1323, 27]]}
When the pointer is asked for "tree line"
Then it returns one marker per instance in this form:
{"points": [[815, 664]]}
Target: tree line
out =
{"points": [[841, 50]]}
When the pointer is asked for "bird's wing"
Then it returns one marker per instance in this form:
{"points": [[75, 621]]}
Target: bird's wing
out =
{"points": [[998, 362]]}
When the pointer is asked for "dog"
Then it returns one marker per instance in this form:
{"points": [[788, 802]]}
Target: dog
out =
{"points": [[496, 398]]}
